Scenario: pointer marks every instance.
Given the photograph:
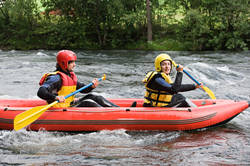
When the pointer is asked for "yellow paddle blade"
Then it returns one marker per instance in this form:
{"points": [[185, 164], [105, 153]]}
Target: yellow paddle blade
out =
{"points": [[104, 77], [25, 118], [209, 92]]}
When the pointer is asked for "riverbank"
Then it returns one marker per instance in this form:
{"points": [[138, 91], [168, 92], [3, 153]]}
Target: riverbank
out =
{"points": [[156, 45]]}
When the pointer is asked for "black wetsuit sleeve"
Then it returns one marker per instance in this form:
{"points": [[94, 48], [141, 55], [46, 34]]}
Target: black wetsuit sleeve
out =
{"points": [[52, 84], [182, 87], [177, 83], [179, 87], [186, 87], [160, 84], [80, 85], [43, 93]]}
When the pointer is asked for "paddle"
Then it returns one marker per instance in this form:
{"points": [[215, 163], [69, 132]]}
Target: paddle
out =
{"points": [[206, 89], [25, 118]]}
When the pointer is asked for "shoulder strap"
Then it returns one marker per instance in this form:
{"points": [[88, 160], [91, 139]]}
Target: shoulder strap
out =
{"points": [[44, 77], [149, 76]]}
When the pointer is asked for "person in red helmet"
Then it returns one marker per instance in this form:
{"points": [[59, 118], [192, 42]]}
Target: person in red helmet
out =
{"points": [[63, 81]]}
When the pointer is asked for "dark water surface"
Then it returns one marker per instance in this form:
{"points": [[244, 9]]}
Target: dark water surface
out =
{"points": [[225, 73]]}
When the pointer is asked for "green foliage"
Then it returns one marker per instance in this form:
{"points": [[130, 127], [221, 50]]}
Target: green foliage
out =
{"points": [[121, 24], [193, 31], [216, 25], [18, 20], [165, 44]]}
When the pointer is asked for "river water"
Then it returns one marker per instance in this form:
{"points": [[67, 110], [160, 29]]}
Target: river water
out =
{"points": [[225, 73]]}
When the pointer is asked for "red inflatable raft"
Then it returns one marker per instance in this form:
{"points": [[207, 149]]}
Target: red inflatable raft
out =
{"points": [[208, 113]]}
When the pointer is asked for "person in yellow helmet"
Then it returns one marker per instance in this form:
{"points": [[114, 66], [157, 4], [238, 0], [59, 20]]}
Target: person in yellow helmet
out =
{"points": [[161, 91]]}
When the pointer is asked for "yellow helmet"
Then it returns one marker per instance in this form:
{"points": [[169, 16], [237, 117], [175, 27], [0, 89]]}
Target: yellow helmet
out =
{"points": [[159, 59]]}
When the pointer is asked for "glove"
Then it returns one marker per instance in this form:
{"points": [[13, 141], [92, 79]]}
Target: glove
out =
{"points": [[179, 68], [199, 86], [95, 83]]}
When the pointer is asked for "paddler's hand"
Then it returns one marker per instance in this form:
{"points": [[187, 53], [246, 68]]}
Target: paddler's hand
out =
{"points": [[61, 99], [179, 68], [199, 86], [95, 83]]}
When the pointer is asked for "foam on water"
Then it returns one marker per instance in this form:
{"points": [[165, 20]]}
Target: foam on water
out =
{"points": [[50, 146], [42, 54]]}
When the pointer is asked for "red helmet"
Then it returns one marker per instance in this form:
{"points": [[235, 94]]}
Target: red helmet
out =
{"points": [[63, 57]]}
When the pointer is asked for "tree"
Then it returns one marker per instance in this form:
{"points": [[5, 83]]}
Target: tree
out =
{"points": [[149, 23]]}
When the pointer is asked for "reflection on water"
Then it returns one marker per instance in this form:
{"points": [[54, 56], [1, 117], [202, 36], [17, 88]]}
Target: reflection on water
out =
{"points": [[226, 74]]}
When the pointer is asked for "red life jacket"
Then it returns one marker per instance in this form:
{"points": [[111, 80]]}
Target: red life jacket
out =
{"points": [[68, 86]]}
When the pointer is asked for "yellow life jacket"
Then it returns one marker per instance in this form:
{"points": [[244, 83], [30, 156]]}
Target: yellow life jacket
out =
{"points": [[156, 97], [68, 86]]}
